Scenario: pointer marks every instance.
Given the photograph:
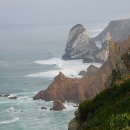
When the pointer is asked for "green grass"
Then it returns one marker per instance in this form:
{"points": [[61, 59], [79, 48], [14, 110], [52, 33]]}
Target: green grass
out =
{"points": [[109, 110]]}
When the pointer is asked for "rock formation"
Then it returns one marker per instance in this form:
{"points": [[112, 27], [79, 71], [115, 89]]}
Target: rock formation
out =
{"points": [[6, 95], [58, 105], [117, 90], [77, 41], [82, 73], [76, 90], [80, 46], [90, 70], [13, 98]]}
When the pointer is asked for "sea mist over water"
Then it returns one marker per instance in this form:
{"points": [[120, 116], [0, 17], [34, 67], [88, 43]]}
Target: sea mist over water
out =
{"points": [[25, 50]]}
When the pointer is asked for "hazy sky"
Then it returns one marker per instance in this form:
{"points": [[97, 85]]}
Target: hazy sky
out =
{"points": [[62, 11]]}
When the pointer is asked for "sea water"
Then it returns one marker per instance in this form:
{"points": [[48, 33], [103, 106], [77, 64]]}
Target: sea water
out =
{"points": [[30, 57]]}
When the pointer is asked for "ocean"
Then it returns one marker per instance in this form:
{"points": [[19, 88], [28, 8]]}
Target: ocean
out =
{"points": [[30, 57]]}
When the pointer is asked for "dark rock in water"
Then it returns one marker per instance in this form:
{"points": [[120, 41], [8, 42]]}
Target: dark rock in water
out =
{"points": [[51, 109], [13, 98], [58, 105], [6, 95], [44, 108]]}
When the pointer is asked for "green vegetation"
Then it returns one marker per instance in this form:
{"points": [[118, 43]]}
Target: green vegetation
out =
{"points": [[109, 110]]}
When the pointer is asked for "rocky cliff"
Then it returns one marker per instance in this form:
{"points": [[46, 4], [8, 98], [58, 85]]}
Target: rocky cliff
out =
{"points": [[109, 110], [76, 90], [80, 46], [90, 70]]}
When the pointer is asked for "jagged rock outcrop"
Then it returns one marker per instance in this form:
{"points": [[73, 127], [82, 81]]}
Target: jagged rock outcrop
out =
{"points": [[80, 46], [77, 41], [82, 73], [76, 90], [90, 70], [58, 105]]}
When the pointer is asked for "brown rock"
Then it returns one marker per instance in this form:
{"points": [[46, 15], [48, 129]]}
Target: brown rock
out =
{"points": [[76, 90], [82, 73], [58, 105], [91, 69]]}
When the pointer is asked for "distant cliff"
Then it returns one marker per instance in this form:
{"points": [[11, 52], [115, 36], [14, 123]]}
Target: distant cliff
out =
{"points": [[77, 90], [81, 46]]}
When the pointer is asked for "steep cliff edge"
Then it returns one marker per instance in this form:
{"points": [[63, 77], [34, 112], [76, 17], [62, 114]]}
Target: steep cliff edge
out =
{"points": [[80, 46], [77, 90], [110, 109]]}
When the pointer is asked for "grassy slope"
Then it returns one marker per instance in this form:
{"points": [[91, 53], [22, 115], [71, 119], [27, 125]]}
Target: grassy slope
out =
{"points": [[109, 110]]}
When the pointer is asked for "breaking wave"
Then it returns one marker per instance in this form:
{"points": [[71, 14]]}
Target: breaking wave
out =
{"points": [[68, 68], [9, 121]]}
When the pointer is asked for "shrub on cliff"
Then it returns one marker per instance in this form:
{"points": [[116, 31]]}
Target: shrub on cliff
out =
{"points": [[109, 110]]}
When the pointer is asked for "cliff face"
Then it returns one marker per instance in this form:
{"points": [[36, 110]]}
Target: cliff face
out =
{"points": [[76, 90], [80, 46], [110, 109]]}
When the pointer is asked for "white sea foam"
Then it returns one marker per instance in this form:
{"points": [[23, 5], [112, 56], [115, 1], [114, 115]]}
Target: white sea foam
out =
{"points": [[53, 61], [9, 121], [69, 68], [69, 106], [53, 73]]}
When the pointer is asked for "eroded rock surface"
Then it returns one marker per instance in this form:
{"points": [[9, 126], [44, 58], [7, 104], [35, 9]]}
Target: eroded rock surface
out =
{"points": [[81, 46], [58, 105], [76, 90]]}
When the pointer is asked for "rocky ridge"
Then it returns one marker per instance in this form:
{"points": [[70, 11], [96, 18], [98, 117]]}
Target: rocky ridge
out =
{"points": [[114, 99], [81, 46], [77, 90]]}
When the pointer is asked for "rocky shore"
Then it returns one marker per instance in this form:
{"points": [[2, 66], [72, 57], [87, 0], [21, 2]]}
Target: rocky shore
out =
{"points": [[94, 80], [76, 90]]}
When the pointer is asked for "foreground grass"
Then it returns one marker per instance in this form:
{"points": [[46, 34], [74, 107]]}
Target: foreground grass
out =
{"points": [[109, 110]]}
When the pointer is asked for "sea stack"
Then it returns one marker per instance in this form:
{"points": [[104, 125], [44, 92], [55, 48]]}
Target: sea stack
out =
{"points": [[58, 105], [77, 40]]}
